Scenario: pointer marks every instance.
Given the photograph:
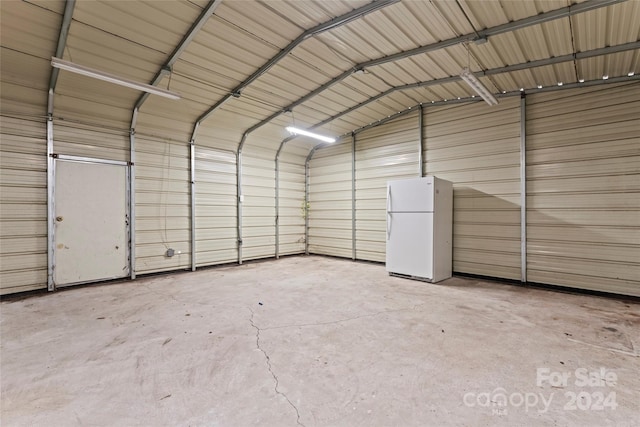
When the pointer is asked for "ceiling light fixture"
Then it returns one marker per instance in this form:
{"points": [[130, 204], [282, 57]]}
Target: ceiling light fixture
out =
{"points": [[297, 131], [580, 80], [477, 86], [111, 78], [631, 74], [605, 77]]}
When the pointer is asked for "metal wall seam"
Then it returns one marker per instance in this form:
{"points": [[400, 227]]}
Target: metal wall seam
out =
{"points": [[523, 190], [353, 196], [277, 195], [306, 201], [132, 198], [62, 42], [240, 198], [50, 200], [192, 189], [420, 140]]}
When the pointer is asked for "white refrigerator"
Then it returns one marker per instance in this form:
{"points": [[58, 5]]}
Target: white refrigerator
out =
{"points": [[420, 228]]}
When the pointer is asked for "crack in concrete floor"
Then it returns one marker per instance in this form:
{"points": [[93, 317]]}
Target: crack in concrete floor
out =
{"points": [[275, 377]]}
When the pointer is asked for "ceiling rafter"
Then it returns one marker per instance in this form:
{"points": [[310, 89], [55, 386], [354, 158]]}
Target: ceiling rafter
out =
{"points": [[590, 83], [179, 49], [326, 26], [515, 67], [563, 12], [62, 44]]}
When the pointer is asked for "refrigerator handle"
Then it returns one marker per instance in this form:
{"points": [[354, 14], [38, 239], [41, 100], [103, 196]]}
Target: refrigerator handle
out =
{"points": [[388, 198], [388, 211]]}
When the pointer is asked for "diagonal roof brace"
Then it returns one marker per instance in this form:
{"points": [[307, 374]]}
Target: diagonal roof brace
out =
{"points": [[504, 28], [326, 26], [180, 48], [493, 71]]}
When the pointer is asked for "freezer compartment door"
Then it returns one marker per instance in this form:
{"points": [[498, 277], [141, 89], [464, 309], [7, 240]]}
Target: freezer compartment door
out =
{"points": [[410, 244], [410, 195]]}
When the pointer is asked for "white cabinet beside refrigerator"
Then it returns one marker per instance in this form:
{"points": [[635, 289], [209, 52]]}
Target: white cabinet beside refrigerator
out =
{"points": [[420, 228]]}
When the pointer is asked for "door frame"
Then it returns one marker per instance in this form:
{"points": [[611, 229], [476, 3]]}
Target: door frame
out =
{"points": [[51, 285]]}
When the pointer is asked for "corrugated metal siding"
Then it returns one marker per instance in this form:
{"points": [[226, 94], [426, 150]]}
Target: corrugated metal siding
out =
{"points": [[77, 139], [384, 153], [23, 204], [291, 190], [258, 211], [216, 219], [162, 204], [330, 201], [477, 148], [583, 189]]}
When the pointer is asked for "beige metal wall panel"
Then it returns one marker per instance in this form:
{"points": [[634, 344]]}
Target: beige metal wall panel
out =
{"points": [[216, 218], [330, 201], [477, 147], [291, 194], [23, 84], [258, 189], [583, 188], [76, 139], [384, 153], [162, 205], [23, 204]]}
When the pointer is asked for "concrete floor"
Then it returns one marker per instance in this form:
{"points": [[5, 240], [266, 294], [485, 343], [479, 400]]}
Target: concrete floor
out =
{"points": [[316, 341]]}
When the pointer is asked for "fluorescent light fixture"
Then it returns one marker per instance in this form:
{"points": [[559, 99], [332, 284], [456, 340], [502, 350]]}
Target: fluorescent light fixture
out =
{"points": [[111, 78], [310, 134], [477, 86]]}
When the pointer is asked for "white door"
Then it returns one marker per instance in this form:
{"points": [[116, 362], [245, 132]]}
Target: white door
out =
{"points": [[410, 244], [91, 222], [410, 195]]}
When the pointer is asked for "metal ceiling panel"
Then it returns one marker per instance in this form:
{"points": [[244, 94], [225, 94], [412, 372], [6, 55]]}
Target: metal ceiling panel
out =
{"points": [[28, 28], [260, 21], [613, 25], [308, 14], [158, 26], [91, 47]]}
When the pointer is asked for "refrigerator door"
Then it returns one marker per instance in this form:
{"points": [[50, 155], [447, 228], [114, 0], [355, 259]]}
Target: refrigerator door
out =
{"points": [[410, 244], [410, 195]]}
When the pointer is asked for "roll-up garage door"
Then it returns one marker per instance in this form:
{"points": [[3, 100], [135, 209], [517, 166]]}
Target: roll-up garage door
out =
{"points": [[216, 219], [384, 153], [477, 147], [583, 188], [330, 201], [23, 204]]}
